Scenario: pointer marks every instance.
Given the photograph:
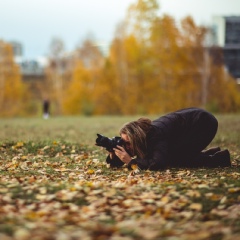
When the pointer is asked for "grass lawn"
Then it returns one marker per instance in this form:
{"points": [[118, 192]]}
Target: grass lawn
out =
{"points": [[55, 184]]}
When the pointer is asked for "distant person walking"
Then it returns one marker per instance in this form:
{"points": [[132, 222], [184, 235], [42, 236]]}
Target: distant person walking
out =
{"points": [[46, 106]]}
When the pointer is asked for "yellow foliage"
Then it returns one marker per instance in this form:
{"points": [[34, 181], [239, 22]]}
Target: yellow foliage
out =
{"points": [[165, 69], [223, 93], [154, 65], [12, 90], [78, 95]]}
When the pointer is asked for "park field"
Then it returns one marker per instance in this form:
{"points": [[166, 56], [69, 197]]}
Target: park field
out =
{"points": [[55, 184]]}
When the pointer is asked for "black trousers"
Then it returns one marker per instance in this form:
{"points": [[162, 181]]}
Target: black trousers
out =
{"points": [[188, 151]]}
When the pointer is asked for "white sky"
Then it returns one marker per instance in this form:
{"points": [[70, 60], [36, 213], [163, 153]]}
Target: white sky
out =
{"points": [[35, 22]]}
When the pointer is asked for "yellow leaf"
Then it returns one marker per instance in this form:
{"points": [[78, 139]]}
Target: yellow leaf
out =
{"points": [[196, 206], [193, 193], [22, 234], [234, 190], [134, 166], [89, 162], [90, 171], [19, 144], [165, 199], [46, 147], [62, 169]]}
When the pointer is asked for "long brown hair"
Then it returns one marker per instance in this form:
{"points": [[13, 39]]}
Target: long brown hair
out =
{"points": [[137, 132]]}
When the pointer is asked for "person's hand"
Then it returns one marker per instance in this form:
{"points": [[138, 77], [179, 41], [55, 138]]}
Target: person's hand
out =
{"points": [[122, 154]]}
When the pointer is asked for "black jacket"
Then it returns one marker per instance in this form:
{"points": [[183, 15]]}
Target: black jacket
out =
{"points": [[173, 138]]}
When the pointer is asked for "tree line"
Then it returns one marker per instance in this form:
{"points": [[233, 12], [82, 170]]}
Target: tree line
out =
{"points": [[154, 65]]}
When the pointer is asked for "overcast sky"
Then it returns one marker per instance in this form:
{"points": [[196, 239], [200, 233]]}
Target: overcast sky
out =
{"points": [[35, 22]]}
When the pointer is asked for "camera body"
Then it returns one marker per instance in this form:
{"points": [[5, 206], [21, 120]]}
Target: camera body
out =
{"points": [[109, 143]]}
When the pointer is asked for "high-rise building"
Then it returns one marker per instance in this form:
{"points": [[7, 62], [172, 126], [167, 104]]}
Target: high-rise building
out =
{"points": [[226, 35]]}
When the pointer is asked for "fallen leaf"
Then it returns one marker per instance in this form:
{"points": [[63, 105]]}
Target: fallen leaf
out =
{"points": [[196, 206]]}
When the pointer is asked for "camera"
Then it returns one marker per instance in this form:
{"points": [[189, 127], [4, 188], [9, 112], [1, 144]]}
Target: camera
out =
{"points": [[109, 143]]}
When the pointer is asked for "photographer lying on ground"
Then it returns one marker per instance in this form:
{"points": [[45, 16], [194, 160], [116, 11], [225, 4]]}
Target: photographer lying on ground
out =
{"points": [[177, 139]]}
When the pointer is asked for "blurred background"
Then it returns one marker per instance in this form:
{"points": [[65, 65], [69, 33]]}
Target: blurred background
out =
{"points": [[128, 57]]}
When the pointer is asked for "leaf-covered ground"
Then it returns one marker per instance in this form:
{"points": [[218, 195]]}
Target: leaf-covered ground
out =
{"points": [[64, 190]]}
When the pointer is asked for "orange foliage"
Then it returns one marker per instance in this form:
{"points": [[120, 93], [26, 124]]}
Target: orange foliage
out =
{"points": [[170, 70], [78, 94], [154, 65], [12, 91], [164, 69]]}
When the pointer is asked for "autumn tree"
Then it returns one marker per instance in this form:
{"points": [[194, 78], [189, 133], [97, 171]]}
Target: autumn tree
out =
{"points": [[129, 60], [155, 64], [223, 94], [140, 17], [217, 90], [80, 96], [13, 94], [106, 98], [166, 63], [176, 61], [57, 74]]}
